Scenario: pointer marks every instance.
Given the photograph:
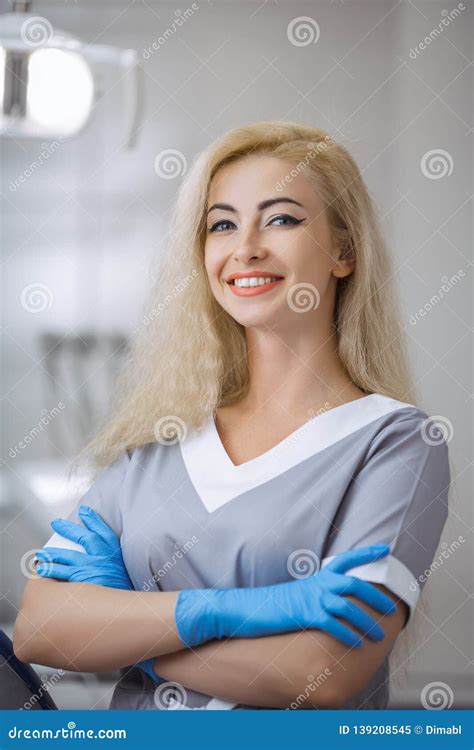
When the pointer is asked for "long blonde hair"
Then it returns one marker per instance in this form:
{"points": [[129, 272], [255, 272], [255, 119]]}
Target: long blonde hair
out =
{"points": [[190, 357]]}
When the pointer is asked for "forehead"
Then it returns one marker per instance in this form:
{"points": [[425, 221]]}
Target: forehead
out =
{"points": [[252, 178]]}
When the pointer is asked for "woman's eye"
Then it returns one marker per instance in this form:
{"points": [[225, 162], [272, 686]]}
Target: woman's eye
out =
{"points": [[218, 224], [286, 217], [286, 220]]}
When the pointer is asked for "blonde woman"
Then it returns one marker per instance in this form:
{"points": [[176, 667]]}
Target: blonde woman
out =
{"points": [[262, 439]]}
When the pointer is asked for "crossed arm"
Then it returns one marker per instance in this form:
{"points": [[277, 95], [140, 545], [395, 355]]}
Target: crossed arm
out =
{"points": [[277, 670], [84, 627]]}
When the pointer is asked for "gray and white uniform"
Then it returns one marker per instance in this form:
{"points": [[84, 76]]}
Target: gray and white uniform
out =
{"points": [[374, 470]]}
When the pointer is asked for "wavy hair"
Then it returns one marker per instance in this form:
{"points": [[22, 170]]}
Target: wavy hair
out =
{"points": [[190, 356]]}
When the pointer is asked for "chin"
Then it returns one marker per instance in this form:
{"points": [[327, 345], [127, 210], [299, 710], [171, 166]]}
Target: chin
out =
{"points": [[256, 319]]}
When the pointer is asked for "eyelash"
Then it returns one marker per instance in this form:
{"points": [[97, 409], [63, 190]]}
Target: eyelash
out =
{"points": [[292, 219]]}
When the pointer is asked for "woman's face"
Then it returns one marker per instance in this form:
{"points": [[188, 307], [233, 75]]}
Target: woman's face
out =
{"points": [[256, 231]]}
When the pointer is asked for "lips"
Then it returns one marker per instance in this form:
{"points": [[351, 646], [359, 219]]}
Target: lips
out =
{"points": [[253, 291], [252, 274]]}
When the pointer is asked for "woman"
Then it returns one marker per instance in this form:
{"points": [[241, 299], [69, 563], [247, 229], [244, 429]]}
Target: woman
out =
{"points": [[260, 432]]}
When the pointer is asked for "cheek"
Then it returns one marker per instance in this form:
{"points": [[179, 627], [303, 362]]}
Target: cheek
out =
{"points": [[212, 265], [209, 260], [312, 260]]}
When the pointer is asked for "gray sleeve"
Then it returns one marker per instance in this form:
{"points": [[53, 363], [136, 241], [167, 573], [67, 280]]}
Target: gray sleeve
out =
{"points": [[104, 496], [400, 498]]}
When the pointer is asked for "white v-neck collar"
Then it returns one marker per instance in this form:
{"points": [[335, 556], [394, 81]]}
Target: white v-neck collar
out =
{"points": [[217, 480]]}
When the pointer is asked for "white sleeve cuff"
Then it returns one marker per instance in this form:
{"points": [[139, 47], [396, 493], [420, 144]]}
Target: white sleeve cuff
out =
{"points": [[56, 540], [393, 574]]}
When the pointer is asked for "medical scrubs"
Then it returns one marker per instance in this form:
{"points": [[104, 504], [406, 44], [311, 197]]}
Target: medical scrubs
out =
{"points": [[374, 470]]}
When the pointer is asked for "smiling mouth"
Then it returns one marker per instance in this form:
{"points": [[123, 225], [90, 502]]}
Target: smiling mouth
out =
{"points": [[250, 287], [254, 281]]}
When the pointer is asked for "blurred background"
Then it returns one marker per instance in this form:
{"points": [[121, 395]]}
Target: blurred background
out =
{"points": [[104, 104]]}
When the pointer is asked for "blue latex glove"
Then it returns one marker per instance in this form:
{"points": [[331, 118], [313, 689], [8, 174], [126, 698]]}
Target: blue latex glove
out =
{"points": [[103, 564], [314, 602]]}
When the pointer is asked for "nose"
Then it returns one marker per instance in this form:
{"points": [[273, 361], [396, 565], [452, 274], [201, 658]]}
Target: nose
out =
{"points": [[249, 247]]}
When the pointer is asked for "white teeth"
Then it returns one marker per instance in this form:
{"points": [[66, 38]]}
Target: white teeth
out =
{"points": [[254, 280]]}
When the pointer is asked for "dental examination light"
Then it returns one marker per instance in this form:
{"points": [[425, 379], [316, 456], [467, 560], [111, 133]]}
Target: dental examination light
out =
{"points": [[50, 81]]}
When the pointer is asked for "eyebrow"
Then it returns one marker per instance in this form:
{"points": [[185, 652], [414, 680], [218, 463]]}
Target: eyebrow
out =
{"points": [[261, 206]]}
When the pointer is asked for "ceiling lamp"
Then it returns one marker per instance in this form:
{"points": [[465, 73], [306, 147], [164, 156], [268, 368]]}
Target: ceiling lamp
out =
{"points": [[48, 78]]}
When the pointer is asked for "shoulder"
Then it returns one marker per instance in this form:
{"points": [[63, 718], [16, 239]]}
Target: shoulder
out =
{"points": [[126, 461], [408, 426]]}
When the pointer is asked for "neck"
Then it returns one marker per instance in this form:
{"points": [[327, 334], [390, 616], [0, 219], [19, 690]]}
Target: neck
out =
{"points": [[295, 378]]}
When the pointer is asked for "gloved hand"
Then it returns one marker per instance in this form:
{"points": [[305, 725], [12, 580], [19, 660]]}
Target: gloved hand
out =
{"points": [[314, 602], [103, 564]]}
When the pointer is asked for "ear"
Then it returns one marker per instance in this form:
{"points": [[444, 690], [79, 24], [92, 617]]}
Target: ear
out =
{"points": [[346, 262]]}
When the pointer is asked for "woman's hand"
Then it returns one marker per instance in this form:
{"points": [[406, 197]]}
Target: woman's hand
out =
{"points": [[103, 564], [314, 602]]}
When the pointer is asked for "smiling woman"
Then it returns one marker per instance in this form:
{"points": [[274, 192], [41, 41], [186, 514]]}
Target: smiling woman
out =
{"points": [[267, 415]]}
